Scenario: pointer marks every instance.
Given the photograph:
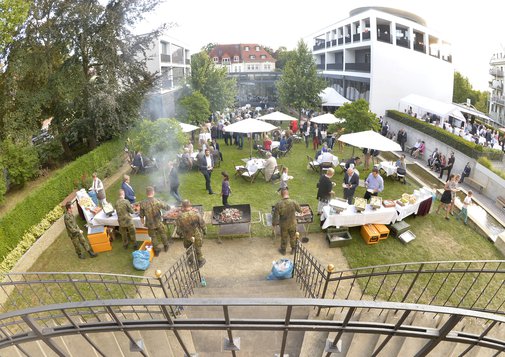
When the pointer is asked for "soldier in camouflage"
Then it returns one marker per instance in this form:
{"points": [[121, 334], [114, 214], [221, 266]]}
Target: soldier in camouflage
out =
{"points": [[191, 227], [285, 216], [80, 243], [150, 217], [126, 227]]}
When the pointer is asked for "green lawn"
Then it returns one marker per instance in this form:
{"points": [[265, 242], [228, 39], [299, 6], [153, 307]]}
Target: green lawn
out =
{"points": [[437, 239]]}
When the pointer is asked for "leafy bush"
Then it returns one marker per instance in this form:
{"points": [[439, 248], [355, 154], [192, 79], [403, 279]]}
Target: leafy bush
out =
{"points": [[49, 152], [466, 147], [35, 207], [484, 161], [20, 159]]}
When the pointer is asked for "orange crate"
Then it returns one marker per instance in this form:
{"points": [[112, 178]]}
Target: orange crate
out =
{"points": [[101, 247], [151, 252], [383, 231], [97, 235], [369, 234], [141, 234]]}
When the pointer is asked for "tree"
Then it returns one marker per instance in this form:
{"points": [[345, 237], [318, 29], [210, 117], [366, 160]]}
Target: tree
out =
{"points": [[358, 117], [162, 138], [300, 85], [212, 82], [463, 90], [281, 57], [197, 108], [20, 160], [12, 15]]}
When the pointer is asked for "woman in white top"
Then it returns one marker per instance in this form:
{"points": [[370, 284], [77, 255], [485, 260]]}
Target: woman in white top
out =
{"points": [[99, 189]]}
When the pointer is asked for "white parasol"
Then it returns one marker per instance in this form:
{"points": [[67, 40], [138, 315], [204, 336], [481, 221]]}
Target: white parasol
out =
{"points": [[249, 126], [371, 140], [187, 128], [331, 98], [277, 116], [326, 119]]}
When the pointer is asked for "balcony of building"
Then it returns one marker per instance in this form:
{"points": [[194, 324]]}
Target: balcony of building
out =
{"points": [[497, 72], [357, 67], [319, 44], [165, 58], [434, 47], [335, 66], [321, 66], [419, 42], [402, 36], [365, 35], [498, 99], [188, 61], [384, 31], [496, 84]]}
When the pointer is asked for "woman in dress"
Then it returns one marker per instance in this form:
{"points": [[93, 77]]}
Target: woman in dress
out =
{"points": [[454, 188], [446, 198]]}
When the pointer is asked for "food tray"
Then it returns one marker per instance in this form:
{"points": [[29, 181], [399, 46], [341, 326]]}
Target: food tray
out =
{"points": [[245, 210], [376, 202], [360, 204], [407, 237], [388, 203], [308, 217], [338, 205]]}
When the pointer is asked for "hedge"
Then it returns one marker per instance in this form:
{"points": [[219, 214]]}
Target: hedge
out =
{"points": [[458, 143], [29, 212]]}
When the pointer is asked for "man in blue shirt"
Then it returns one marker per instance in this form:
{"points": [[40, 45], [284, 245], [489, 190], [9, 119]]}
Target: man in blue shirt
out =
{"points": [[374, 184]]}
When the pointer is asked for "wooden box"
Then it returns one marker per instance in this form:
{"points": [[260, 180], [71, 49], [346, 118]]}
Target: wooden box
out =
{"points": [[101, 247], [145, 245], [141, 234], [383, 231], [369, 234], [97, 235]]}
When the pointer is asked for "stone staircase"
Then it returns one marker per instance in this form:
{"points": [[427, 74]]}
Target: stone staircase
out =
{"points": [[252, 343]]}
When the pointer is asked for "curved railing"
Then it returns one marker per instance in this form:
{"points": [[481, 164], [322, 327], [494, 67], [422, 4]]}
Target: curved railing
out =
{"points": [[477, 284], [44, 324]]}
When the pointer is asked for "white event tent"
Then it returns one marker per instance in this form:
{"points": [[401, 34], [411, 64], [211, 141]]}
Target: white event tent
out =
{"points": [[331, 98], [422, 105]]}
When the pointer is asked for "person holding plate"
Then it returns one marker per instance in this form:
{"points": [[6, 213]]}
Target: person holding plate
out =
{"points": [[374, 184]]}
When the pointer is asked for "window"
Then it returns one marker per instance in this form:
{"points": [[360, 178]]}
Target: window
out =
{"points": [[246, 48], [226, 60], [165, 48], [257, 48], [215, 59], [177, 54], [252, 57], [236, 59], [263, 56]]}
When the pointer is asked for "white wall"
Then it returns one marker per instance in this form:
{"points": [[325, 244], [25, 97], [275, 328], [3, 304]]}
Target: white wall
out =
{"points": [[153, 57], [397, 72]]}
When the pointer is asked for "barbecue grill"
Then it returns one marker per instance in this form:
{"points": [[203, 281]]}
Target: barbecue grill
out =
{"points": [[235, 227], [303, 222]]}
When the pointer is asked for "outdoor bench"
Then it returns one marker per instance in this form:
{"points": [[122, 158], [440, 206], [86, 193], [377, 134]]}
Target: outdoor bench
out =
{"points": [[475, 184]]}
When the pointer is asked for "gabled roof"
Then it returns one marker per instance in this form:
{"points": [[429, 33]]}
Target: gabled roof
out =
{"points": [[232, 50]]}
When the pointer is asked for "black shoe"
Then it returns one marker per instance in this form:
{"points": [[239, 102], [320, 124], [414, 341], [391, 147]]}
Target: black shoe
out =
{"points": [[282, 251], [81, 256], [92, 254], [165, 247], [156, 252], [211, 193], [201, 263]]}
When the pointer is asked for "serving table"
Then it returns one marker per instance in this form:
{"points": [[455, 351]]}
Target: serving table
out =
{"points": [[350, 217]]}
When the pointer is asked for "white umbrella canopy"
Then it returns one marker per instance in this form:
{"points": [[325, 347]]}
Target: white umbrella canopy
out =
{"points": [[277, 116], [330, 97], [249, 126], [187, 128], [326, 119], [371, 140]]}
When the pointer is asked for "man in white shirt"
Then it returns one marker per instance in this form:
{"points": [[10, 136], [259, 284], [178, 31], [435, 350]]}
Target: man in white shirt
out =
{"points": [[206, 167]]}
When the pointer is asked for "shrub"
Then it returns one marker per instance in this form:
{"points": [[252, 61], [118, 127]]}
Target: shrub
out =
{"points": [[484, 161], [458, 143], [34, 208], [20, 159]]}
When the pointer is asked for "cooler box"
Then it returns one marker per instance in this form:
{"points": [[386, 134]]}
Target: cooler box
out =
{"points": [[97, 235], [369, 234], [101, 247], [383, 231], [141, 234], [398, 228], [338, 237], [151, 251]]}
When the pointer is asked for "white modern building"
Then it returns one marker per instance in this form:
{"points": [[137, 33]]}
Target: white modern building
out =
{"points": [[171, 59], [382, 55], [497, 98]]}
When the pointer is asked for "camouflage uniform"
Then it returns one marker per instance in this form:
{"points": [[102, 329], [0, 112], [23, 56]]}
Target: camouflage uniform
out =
{"points": [[191, 224], [126, 227], [284, 216], [150, 210], [80, 243]]}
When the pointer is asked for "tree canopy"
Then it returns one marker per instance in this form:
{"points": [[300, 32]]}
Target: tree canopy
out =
{"points": [[196, 108], [358, 117], [13, 13], [212, 82], [463, 90], [300, 85]]}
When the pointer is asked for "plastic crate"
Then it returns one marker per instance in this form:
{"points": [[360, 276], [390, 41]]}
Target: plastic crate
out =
{"points": [[97, 235], [369, 234], [338, 237], [398, 228], [144, 246], [101, 247]]}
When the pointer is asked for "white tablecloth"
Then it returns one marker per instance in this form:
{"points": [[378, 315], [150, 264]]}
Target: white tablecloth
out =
{"points": [[254, 165], [275, 144], [101, 219], [351, 218], [389, 167], [334, 159], [204, 137], [408, 209]]}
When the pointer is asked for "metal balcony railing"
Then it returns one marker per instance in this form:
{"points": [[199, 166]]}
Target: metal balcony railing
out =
{"points": [[166, 58], [319, 46], [402, 42], [365, 35], [320, 66], [419, 47], [358, 67], [476, 285], [498, 72], [384, 37], [356, 37], [132, 317], [335, 66]]}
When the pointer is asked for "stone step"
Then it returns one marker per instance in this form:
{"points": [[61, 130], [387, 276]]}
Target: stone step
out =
{"points": [[11, 351], [395, 343], [363, 344], [422, 320], [37, 349], [346, 337]]}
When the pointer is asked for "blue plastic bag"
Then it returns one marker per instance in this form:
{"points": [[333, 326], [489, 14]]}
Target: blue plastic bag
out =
{"points": [[141, 259], [281, 269], [92, 195]]}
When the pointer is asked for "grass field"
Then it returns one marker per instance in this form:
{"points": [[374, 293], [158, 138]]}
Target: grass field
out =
{"points": [[437, 239]]}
